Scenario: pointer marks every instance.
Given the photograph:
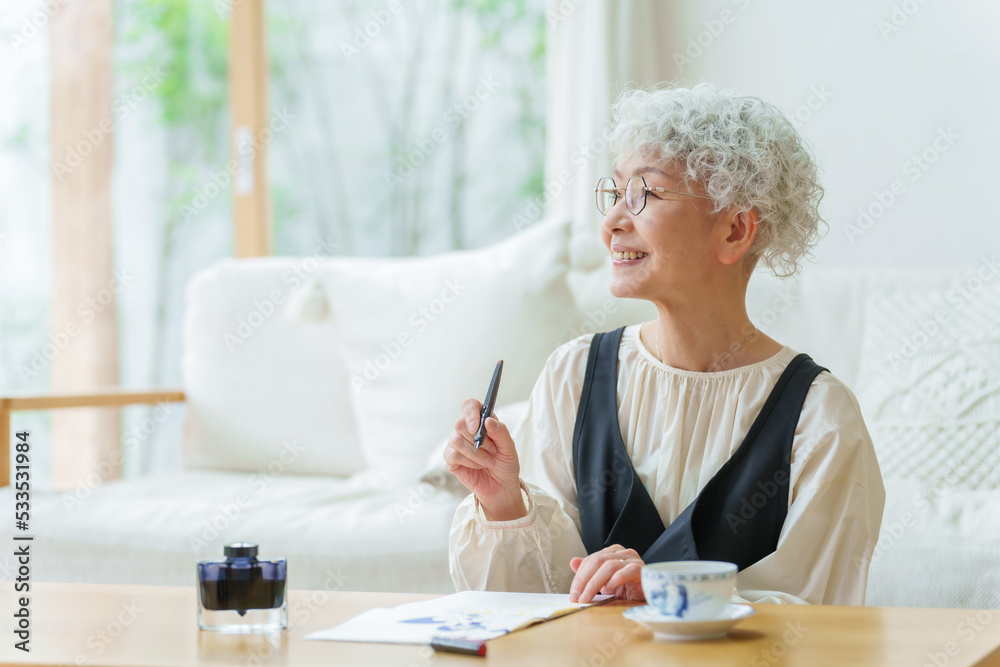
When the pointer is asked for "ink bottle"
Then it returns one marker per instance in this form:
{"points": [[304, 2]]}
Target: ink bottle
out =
{"points": [[240, 593]]}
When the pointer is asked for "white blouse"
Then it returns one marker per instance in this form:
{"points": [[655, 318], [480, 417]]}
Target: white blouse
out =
{"points": [[679, 428]]}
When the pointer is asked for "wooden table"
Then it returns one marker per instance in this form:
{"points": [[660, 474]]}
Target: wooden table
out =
{"points": [[86, 624]]}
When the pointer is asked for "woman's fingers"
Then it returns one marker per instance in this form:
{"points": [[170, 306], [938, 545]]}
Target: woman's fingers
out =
{"points": [[498, 439], [490, 468], [462, 428], [497, 433], [597, 580], [456, 460], [471, 409], [585, 571], [629, 573], [607, 569], [618, 551], [462, 452]]}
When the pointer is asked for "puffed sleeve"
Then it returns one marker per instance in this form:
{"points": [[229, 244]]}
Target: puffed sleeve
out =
{"points": [[835, 508], [531, 554]]}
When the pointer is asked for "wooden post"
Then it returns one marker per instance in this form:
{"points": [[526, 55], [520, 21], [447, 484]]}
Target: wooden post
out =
{"points": [[4, 444], [250, 134], [84, 289]]}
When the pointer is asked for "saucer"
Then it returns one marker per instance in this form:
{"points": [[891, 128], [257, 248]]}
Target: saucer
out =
{"points": [[672, 629]]}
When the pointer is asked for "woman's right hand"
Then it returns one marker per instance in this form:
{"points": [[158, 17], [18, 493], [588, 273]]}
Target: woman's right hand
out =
{"points": [[492, 472]]}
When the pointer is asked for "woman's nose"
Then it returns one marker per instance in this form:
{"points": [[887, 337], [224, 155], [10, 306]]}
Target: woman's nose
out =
{"points": [[617, 218]]}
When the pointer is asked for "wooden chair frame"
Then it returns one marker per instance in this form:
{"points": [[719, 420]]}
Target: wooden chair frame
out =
{"points": [[98, 399]]}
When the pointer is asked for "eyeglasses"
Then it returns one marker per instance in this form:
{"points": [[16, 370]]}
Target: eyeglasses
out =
{"points": [[635, 194]]}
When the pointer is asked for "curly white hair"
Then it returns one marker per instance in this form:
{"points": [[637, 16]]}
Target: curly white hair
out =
{"points": [[742, 150]]}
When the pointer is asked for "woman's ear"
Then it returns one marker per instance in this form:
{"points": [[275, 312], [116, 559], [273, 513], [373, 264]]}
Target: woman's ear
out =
{"points": [[740, 227]]}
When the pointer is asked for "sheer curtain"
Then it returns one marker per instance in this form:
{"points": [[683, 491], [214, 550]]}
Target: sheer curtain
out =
{"points": [[596, 48]]}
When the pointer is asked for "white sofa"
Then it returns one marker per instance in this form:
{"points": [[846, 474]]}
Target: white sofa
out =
{"points": [[319, 392]]}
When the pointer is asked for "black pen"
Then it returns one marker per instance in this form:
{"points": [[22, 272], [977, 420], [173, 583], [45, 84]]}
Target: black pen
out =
{"points": [[465, 646], [488, 403]]}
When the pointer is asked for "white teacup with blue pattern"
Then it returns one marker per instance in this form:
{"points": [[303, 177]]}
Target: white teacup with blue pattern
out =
{"points": [[689, 590]]}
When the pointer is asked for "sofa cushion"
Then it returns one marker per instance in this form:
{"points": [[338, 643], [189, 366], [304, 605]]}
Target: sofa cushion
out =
{"points": [[422, 334], [930, 384], [263, 391], [939, 546]]}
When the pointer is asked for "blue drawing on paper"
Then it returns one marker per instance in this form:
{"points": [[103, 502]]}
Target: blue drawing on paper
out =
{"points": [[451, 622]]}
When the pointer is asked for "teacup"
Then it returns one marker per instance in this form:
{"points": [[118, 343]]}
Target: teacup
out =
{"points": [[690, 590]]}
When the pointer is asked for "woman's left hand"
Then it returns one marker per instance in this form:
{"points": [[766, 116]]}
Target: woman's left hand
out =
{"points": [[614, 570]]}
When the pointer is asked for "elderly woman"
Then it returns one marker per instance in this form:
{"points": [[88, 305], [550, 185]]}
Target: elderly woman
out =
{"points": [[694, 435]]}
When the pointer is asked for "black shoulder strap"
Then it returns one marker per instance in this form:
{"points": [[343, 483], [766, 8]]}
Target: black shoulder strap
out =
{"points": [[615, 507]]}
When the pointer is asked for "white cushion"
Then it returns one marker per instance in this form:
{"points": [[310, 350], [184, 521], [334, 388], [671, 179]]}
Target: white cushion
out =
{"points": [[263, 391], [930, 382], [420, 335]]}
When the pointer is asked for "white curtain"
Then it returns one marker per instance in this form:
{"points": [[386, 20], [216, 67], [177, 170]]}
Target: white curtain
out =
{"points": [[595, 48]]}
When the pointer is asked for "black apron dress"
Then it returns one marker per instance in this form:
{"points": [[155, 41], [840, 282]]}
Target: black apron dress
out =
{"points": [[738, 515]]}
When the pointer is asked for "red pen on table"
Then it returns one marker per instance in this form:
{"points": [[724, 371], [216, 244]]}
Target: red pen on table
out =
{"points": [[464, 646]]}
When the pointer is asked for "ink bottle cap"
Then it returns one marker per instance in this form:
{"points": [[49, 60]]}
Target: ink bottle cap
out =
{"points": [[241, 593]]}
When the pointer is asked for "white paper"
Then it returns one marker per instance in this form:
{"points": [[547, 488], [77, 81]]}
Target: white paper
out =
{"points": [[478, 615]]}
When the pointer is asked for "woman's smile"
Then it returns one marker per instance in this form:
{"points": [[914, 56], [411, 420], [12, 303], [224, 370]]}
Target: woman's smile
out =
{"points": [[625, 256]]}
